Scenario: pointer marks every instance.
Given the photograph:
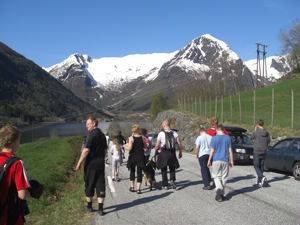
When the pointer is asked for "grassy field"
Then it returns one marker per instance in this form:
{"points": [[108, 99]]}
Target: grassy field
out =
{"points": [[282, 106], [52, 163]]}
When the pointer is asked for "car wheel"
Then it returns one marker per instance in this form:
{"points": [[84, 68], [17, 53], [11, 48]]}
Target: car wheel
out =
{"points": [[296, 171]]}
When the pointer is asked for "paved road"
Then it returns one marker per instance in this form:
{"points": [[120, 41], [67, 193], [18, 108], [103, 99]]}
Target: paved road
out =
{"points": [[245, 203]]}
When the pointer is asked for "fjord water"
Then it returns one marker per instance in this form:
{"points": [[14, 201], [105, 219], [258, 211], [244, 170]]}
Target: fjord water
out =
{"points": [[33, 133]]}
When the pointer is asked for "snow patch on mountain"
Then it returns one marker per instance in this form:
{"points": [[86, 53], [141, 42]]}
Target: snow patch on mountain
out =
{"points": [[277, 66], [113, 71]]}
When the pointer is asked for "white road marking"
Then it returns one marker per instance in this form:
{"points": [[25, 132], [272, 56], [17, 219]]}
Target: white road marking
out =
{"points": [[110, 184]]}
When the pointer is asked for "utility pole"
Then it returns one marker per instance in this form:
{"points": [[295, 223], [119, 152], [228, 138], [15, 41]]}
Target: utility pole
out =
{"points": [[258, 68], [265, 62]]}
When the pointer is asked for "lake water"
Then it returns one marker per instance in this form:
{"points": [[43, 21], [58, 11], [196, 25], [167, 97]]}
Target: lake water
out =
{"points": [[63, 130]]}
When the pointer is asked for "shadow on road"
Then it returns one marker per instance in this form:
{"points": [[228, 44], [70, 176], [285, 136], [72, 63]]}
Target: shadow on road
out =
{"points": [[236, 179], [252, 188], [136, 202]]}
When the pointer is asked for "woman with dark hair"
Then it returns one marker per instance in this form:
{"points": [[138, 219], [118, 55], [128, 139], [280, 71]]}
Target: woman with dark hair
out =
{"points": [[136, 157]]}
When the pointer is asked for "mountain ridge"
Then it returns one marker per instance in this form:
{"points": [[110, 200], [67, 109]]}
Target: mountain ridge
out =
{"points": [[112, 80]]}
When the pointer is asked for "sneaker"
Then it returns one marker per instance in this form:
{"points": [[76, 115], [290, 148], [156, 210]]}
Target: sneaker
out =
{"points": [[263, 181], [222, 197], [173, 185], [207, 188], [88, 209], [100, 212], [164, 188], [218, 195], [113, 179]]}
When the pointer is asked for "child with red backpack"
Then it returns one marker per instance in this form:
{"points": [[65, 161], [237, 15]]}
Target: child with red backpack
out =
{"points": [[147, 151]]}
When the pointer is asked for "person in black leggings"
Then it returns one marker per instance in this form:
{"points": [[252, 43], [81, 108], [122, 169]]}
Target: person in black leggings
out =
{"points": [[136, 157]]}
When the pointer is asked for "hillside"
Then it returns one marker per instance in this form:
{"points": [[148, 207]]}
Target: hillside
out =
{"points": [[282, 105], [28, 93]]}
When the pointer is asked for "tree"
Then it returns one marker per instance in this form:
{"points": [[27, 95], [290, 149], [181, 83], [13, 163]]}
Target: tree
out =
{"points": [[290, 39], [158, 104]]}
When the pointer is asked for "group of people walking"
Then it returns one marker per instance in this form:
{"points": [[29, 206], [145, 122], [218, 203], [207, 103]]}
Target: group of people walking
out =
{"points": [[213, 151]]}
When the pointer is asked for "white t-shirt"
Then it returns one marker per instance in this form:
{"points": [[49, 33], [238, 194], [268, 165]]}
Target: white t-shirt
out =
{"points": [[107, 141], [162, 137], [116, 153]]}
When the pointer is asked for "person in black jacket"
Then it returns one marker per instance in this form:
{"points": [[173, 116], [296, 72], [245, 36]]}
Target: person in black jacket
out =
{"points": [[262, 141], [94, 167]]}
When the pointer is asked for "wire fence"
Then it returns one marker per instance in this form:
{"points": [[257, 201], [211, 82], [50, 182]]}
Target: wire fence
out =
{"points": [[276, 108]]}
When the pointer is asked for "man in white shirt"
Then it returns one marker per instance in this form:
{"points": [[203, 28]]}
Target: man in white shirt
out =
{"points": [[167, 157]]}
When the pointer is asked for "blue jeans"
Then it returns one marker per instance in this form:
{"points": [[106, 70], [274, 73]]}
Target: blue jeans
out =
{"points": [[204, 170], [258, 162]]}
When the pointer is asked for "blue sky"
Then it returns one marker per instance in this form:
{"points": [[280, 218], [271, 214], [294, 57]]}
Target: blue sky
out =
{"points": [[47, 32]]}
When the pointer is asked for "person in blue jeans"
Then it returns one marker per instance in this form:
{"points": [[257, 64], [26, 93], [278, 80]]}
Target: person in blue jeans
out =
{"points": [[262, 141], [202, 154]]}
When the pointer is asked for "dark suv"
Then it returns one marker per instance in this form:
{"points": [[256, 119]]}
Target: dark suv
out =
{"points": [[242, 146]]}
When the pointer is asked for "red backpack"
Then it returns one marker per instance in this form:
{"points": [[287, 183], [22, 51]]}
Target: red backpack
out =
{"points": [[148, 144]]}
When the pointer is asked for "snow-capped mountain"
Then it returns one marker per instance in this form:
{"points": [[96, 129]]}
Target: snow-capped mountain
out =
{"points": [[107, 81], [111, 73], [277, 66], [209, 58]]}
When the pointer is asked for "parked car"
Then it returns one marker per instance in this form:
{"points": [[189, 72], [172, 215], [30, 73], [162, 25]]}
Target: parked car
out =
{"points": [[153, 137], [284, 156], [242, 146]]}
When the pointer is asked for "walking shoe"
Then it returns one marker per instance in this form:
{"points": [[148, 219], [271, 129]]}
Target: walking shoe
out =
{"points": [[113, 179], [100, 212], [263, 181], [88, 209], [218, 195], [173, 185], [164, 188], [222, 197], [207, 188]]}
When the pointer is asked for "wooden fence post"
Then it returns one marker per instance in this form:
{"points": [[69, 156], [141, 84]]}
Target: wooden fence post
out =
{"points": [[254, 108], [210, 107], [292, 110], [240, 108], [195, 106], [231, 109], [205, 106], [216, 106], [272, 122], [222, 109], [200, 105]]}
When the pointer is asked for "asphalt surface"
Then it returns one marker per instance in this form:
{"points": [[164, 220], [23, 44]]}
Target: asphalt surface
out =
{"points": [[245, 202]]}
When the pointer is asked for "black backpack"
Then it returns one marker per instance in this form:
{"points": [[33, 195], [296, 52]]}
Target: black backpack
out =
{"points": [[170, 141], [3, 170]]}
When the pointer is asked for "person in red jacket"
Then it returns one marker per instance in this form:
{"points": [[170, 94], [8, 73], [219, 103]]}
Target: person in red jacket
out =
{"points": [[214, 123], [15, 184]]}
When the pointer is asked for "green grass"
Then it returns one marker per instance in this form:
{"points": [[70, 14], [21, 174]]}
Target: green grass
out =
{"points": [[52, 163], [282, 106]]}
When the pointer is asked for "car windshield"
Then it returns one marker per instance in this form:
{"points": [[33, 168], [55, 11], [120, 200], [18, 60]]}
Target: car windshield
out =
{"points": [[240, 139]]}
